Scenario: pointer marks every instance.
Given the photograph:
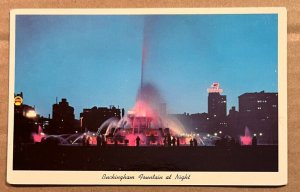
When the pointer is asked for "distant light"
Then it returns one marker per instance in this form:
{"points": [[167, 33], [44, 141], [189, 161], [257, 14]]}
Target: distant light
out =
{"points": [[216, 134], [208, 135], [131, 112], [214, 88], [31, 114], [18, 100], [254, 134], [196, 128], [220, 132], [207, 118], [260, 134], [197, 134]]}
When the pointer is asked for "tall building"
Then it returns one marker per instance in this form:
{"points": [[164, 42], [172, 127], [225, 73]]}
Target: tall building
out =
{"points": [[233, 122], [63, 118], [25, 120], [217, 109], [259, 112], [92, 119], [216, 102], [260, 105]]}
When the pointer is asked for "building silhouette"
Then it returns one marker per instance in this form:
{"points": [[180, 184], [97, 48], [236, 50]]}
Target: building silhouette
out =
{"points": [[25, 121], [233, 122], [259, 112], [216, 102], [217, 108], [200, 122], [63, 118], [92, 119]]}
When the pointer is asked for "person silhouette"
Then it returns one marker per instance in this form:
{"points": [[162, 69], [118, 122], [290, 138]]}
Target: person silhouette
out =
{"points": [[195, 142], [165, 141], [254, 141], [99, 141], [103, 140], [191, 142], [173, 141], [169, 140], [178, 141], [137, 140]]}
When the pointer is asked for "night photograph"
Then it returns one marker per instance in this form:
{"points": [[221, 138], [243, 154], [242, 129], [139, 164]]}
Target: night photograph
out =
{"points": [[185, 92]]}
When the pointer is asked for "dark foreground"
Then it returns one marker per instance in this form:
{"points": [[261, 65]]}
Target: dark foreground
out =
{"points": [[111, 158]]}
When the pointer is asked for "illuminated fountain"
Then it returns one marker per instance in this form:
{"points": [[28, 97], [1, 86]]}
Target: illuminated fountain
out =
{"points": [[38, 136], [145, 120], [246, 139]]}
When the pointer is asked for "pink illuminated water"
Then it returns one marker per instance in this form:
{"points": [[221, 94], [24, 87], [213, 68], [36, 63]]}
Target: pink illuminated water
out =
{"points": [[37, 137], [246, 139]]}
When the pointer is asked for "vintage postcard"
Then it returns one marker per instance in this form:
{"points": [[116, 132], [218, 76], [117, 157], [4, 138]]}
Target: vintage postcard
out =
{"points": [[148, 96]]}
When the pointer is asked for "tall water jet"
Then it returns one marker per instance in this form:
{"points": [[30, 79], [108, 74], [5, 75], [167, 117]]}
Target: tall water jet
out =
{"points": [[145, 120]]}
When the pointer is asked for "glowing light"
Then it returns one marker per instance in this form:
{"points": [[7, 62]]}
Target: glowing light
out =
{"points": [[260, 134], [208, 135], [31, 114], [220, 132], [130, 112], [216, 134], [18, 101], [215, 88], [254, 134], [246, 139], [37, 137]]}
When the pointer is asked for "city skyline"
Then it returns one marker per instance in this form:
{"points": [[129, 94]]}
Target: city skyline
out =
{"points": [[74, 57]]}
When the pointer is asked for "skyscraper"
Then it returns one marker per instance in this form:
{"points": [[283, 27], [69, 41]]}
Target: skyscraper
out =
{"points": [[259, 112], [216, 102], [92, 119], [63, 118]]}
